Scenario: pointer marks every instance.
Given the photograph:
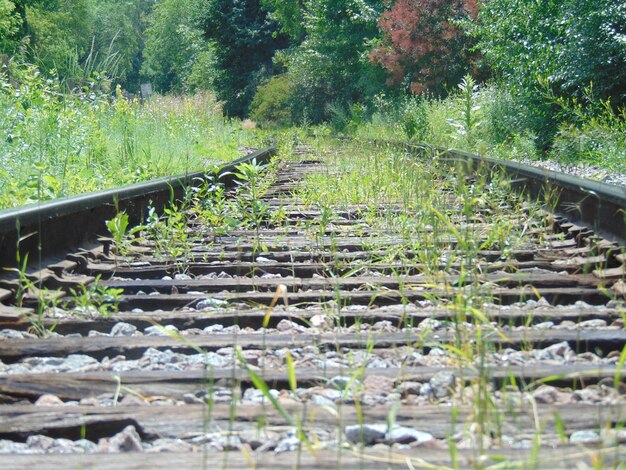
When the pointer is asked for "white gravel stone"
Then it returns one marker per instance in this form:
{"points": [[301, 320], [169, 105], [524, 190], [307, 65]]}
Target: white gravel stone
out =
{"points": [[557, 351], [211, 303], [288, 444], [11, 334], [123, 329], [289, 326], [128, 440], [597, 323], [160, 330], [170, 445], [442, 384], [213, 328], [49, 400], [405, 435], [340, 382], [588, 172], [367, 434], [79, 362], [584, 436]]}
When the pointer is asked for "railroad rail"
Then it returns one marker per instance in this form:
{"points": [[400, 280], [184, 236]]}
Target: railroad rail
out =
{"points": [[349, 306]]}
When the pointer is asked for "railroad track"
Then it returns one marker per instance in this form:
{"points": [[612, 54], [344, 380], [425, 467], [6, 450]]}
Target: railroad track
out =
{"points": [[345, 307]]}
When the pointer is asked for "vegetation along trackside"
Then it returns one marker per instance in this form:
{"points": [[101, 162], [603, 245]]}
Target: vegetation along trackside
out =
{"points": [[304, 234]]}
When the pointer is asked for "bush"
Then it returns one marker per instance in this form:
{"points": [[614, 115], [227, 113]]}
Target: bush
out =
{"points": [[271, 105], [414, 118], [600, 141], [422, 45], [554, 47]]}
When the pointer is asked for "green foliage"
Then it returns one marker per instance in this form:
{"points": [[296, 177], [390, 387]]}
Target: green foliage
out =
{"points": [[568, 43], [251, 186], [346, 117], [414, 118], [118, 228], [271, 105], [289, 14], [57, 144], [330, 65], [244, 39], [175, 45], [59, 31], [95, 299], [71, 39], [119, 31], [10, 22], [596, 135], [469, 112]]}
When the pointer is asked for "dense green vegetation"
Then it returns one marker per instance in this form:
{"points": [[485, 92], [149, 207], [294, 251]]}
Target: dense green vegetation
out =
{"points": [[57, 144], [510, 78]]}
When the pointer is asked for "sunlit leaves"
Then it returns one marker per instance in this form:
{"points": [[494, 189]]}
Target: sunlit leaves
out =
{"points": [[423, 47]]}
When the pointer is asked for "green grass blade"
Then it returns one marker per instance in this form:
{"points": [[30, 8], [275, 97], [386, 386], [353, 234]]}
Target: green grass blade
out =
{"points": [[291, 372], [620, 366], [261, 385]]}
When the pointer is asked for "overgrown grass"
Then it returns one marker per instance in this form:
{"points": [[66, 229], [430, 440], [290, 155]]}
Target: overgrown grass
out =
{"points": [[55, 144], [490, 120], [436, 222]]}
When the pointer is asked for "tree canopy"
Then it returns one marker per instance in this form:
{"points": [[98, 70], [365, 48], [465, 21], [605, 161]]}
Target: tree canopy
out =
{"points": [[306, 59]]}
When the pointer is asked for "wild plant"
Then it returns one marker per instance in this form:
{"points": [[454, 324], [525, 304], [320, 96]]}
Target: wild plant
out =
{"points": [[169, 232], [470, 117], [118, 227], [31, 291], [85, 142], [212, 207], [95, 299], [251, 186]]}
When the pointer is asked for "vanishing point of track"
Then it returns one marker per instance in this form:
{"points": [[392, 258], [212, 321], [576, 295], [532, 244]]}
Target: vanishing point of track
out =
{"points": [[379, 344]]}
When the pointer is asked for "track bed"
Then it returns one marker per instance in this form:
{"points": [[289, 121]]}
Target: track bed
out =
{"points": [[339, 322]]}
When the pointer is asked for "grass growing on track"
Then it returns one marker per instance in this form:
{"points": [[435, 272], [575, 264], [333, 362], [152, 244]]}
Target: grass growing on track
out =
{"points": [[485, 119], [438, 211], [55, 144], [445, 218]]}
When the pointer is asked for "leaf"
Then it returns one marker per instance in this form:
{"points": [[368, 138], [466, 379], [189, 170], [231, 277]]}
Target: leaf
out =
{"points": [[291, 372], [281, 289], [261, 385], [620, 366]]}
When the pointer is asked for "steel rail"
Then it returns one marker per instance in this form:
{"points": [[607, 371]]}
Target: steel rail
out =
{"points": [[46, 229], [599, 207]]}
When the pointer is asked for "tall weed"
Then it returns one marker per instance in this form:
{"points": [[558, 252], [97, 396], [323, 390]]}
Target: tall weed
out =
{"points": [[57, 144]]}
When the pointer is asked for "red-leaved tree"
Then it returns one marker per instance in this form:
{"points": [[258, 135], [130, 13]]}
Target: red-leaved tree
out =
{"points": [[423, 47]]}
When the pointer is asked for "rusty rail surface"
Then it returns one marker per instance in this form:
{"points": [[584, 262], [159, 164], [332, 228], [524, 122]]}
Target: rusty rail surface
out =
{"points": [[49, 228], [581, 200]]}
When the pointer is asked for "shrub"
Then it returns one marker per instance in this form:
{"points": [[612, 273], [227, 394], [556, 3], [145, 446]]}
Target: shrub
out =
{"points": [[560, 47], [271, 105], [423, 47], [600, 141]]}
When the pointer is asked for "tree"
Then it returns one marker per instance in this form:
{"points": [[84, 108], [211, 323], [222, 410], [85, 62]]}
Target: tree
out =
{"points": [[328, 64], [10, 22], [289, 14], [60, 33], [174, 43], [120, 33], [564, 45], [244, 39], [423, 48]]}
